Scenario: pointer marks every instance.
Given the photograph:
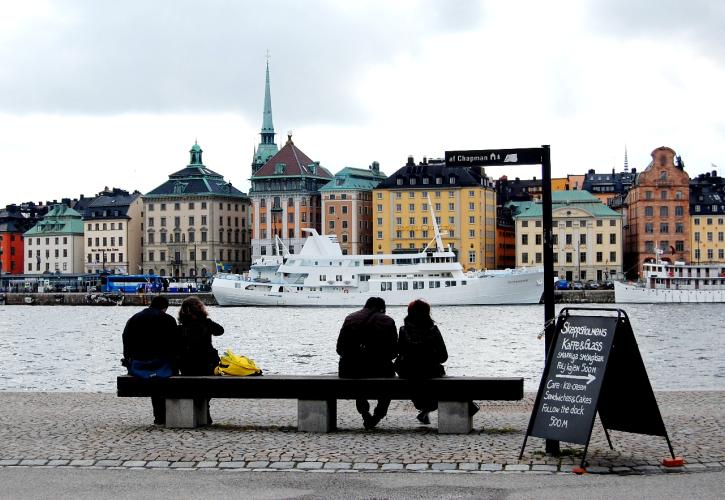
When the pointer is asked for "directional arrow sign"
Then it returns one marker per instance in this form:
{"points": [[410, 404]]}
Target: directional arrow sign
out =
{"points": [[588, 377]]}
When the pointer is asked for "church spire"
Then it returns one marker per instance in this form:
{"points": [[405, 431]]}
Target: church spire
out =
{"points": [[626, 161], [267, 147]]}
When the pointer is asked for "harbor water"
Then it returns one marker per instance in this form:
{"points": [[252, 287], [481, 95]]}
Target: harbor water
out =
{"points": [[78, 348]]}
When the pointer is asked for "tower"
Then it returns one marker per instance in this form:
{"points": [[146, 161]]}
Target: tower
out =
{"points": [[267, 147]]}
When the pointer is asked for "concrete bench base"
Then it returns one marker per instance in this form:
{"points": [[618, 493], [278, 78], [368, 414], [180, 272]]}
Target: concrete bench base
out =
{"points": [[186, 413]]}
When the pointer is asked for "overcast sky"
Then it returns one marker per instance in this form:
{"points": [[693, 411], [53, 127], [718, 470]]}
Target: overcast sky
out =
{"points": [[113, 93]]}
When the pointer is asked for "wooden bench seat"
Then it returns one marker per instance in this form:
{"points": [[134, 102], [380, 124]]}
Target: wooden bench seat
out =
{"points": [[317, 395]]}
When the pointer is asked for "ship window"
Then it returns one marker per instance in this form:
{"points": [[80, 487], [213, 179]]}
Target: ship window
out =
{"points": [[338, 277], [418, 285], [402, 285], [323, 277], [434, 284], [386, 286], [450, 283], [464, 283]]}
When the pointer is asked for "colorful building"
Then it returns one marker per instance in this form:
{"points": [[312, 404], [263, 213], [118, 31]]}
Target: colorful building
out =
{"points": [[195, 222], [587, 236], [13, 223], [113, 233], [285, 192], [658, 205], [347, 208], [55, 243], [462, 200], [707, 216]]}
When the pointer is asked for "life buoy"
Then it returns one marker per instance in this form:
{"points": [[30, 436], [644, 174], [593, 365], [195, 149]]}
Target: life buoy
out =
{"points": [[671, 274], [345, 290]]}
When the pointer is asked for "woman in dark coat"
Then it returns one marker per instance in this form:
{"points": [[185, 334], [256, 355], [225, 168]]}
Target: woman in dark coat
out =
{"points": [[421, 353], [195, 353]]}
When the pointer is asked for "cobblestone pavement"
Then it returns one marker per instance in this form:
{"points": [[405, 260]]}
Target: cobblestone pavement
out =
{"points": [[103, 431]]}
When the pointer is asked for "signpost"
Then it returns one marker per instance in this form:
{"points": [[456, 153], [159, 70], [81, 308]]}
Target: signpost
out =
{"points": [[594, 365], [525, 156]]}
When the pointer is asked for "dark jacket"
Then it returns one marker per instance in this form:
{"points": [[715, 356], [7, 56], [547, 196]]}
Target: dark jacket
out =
{"points": [[149, 334], [367, 345], [195, 353], [422, 351]]}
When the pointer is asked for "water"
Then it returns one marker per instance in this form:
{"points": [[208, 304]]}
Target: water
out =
{"points": [[78, 348]]}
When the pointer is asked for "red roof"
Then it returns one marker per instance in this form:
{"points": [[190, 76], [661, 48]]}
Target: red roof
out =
{"points": [[295, 163]]}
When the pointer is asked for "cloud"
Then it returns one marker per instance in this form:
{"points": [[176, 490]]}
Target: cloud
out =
{"points": [[170, 56]]}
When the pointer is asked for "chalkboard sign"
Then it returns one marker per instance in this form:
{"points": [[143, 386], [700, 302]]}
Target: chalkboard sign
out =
{"points": [[594, 365], [568, 402]]}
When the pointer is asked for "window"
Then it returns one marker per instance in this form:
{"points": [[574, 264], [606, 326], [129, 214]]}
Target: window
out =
{"points": [[524, 223], [582, 256], [568, 239], [331, 224], [525, 257], [612, 257], [648, 195], [649, 228], [398, 207], [524, 239], [344, 209], [150, 222], [648, 211], [679, 228], [451, 206], [568, 257], [471, 219], [582, 239], [411, 207], [472, 257], [380, 235], [599, 256], [600, 222], [679, 246], [664, 228], [613, 239], [471, 233], [664, 211], [331, 210], [663, 195], [600, 238]]}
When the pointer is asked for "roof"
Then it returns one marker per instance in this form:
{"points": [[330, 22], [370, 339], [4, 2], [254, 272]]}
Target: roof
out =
{"points": [[290, 161], [560, 200], [424, 175], [354, 179], [61, 219], [196, 179], [114, 206]]}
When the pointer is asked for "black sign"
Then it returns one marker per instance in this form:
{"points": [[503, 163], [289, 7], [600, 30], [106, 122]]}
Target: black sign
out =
{"points": [[492, 157], [568, 402], [594, 365]]}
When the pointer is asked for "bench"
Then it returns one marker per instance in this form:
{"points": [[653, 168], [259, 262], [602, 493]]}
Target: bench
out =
{"points": [[187, 397]]}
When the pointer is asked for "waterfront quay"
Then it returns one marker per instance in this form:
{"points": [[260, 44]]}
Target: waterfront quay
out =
{"points": [[101, 431]]}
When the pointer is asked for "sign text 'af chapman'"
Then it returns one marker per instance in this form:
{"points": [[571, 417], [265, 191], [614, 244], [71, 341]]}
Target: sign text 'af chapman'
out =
{"points": [[491, 157]]}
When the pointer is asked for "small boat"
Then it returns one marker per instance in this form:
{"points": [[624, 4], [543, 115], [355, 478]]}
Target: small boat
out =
{"points": [[677, 282]]}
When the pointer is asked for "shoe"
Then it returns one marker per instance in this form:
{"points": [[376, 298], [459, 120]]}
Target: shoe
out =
{"points": [[158, 421], [423, 417], [473, 408], [368, 421]]}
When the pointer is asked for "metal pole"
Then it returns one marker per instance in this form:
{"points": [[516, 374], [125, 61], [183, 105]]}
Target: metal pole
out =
{"points": [[552, 446]]}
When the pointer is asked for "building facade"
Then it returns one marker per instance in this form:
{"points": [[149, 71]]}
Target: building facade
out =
{"points": [[195, 223], [112, 231], [707, 216], [462, 200], [55, 243], [658, 213], [587, 237], [607, 187], [347, 208], [13, 223]]}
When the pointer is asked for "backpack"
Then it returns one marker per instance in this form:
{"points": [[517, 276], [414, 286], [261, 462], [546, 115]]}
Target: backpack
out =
{"points": [[236, 365]]}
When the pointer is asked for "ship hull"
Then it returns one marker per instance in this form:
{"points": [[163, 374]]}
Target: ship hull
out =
{"points": [[523, 288], [625, 293]]}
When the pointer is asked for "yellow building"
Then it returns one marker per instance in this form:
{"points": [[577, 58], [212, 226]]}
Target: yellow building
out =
{"points": [[707, 218], [464, 203]]}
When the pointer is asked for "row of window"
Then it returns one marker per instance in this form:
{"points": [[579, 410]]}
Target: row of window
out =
{"points": [[276, 202], [105, 257], [192, 221], [570, 223], [450, 233], [387, 286], [191, 205], [710, 254], [29, 241], [708, 221], [203, 255], [290, 218], [363, 224], [569, 238], [179, 237], [58, 266], [709, 235], [664, 245], [104, 226], [424, 194], [569, 257], [56, 252], [104, 241], [424, 180]]}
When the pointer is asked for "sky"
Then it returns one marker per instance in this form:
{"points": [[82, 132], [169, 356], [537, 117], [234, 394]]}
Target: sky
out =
{"points": [[102, 93]]}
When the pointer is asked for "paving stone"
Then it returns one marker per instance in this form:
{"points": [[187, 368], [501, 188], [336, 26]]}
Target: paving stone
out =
{"points": [[649, 469], [365, 466], [309, 465], [236, 465], [517, 467], [469, 466], [622, 470], [443, 466], [713, 465], [596, 469], [282, 465], [337, 465], [695, 466], [392, 467], [108, 463], [207, 464], [545, 468], [34, 461], [57, 462], [134, 463], [157, 464], [182, 465], [416, 467], [257, 464], [6, 462], [491, 467]]}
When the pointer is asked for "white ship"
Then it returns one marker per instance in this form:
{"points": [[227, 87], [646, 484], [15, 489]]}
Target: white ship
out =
{"points": [[320, 275], [679, 282]]}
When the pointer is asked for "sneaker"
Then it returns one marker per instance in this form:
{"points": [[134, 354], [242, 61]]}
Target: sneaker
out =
{"points": [[369, 422], [473, 408], [423, 417]]}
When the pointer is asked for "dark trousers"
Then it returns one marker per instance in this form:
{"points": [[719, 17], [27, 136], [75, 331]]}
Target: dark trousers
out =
{"points": [[159, 405], [381, 409]]}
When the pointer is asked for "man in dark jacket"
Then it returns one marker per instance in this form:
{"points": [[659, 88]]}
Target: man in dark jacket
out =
{"points": [[149, 336], [367, 345]]}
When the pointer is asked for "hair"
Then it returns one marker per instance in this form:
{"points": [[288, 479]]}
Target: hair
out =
{"points": [[419, 313], [160, 302], [376, 304], [192, 309]]}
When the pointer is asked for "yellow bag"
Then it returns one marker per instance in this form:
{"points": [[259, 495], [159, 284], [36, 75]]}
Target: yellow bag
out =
{"points": [[236, 365]]}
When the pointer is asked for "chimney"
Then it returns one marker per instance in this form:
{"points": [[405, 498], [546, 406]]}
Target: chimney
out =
{"points": [[375, 167], [411, 161]]}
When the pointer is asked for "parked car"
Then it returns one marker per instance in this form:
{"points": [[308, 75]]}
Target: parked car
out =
{"points": [[577, 285], [608, 285], [562, 285], [591, 285]]}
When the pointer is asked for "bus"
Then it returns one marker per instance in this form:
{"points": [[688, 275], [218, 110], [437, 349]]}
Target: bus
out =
{"points": [[131, 283]]}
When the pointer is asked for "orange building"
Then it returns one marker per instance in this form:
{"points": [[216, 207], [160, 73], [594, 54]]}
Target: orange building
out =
{"points": [[12, 226], [658, 213]]}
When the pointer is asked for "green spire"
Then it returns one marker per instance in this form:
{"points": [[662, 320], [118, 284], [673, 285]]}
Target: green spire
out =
{"points": [[195, 152], [267, 147]]}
